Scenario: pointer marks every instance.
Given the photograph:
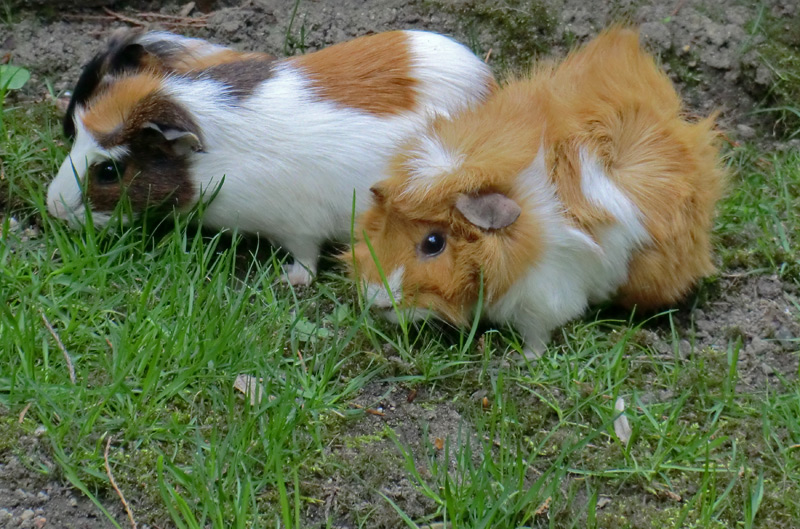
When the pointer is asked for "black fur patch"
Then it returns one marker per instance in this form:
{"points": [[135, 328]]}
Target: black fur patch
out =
{"points": [[122, 54]]}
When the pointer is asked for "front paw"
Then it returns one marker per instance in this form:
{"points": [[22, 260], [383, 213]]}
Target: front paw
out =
{"points": [[297, 275], [532, 353]]}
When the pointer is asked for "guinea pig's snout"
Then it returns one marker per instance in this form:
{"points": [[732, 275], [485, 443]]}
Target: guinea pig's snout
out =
{"points": [[64, 194], [56, 207], [382, 298]]}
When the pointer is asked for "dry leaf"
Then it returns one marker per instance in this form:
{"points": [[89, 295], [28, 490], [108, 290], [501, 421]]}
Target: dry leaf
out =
{"points": [[671, 495], [602, 501], [251, 387], [485, 403], [438, 443], [621, 426]]}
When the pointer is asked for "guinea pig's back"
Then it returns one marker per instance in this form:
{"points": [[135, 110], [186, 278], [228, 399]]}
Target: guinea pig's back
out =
{"points": [[628, 116]]}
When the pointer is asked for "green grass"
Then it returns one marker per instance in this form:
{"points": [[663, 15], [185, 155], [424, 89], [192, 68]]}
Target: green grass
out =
{"points": [[778, 52], [522, 29], [158, 323]]}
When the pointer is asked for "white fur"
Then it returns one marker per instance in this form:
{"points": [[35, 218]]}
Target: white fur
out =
{"points": [[428, 161], [381, 297], [291, 162], [574, 269], [65, 193], [451, 77]]}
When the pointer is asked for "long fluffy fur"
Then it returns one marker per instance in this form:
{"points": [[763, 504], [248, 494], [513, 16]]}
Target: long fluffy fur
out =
{"points": [[617, 192]]}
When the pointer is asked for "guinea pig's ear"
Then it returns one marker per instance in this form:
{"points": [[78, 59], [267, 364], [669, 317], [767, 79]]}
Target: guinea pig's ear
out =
{"points": [[178, 141], [122, 54], [489, 211], [378, 193]]}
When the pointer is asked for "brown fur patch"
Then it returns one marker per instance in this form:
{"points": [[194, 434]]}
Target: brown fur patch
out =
{"points": [[608, 98], [370, 73], [152, 178], [154, 175], [111, 108]]}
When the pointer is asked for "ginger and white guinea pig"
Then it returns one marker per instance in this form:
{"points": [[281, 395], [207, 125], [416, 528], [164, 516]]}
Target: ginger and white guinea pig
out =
{"points": [[280, 145], [578, 184]]}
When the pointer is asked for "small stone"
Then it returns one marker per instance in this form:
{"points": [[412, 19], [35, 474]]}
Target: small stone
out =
{"points": [[5, 516], [759, 347], [27, 514], [42, 496], [39, 522], [745, 132], [656, 34], [685, 348], [767, 369], [73, 502]]}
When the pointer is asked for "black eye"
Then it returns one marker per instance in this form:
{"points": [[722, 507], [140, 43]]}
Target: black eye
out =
{"points": [[108, 172], [432, 244]]}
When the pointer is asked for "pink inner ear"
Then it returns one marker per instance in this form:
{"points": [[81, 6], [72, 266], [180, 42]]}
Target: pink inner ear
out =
{"points": [[491, 211]]}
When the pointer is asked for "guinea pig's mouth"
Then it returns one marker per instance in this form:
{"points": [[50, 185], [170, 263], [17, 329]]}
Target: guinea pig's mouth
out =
{"points": [[408, 315]]}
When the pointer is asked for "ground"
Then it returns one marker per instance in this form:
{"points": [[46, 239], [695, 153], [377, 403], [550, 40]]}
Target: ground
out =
{"points": [[376, 428]]}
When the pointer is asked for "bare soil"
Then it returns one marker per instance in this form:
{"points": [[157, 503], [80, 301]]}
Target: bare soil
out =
{"points": [[707, 49]]}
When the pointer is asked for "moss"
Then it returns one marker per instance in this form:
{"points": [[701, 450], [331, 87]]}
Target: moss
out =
{"points": [[778, 57], [522, 29]]}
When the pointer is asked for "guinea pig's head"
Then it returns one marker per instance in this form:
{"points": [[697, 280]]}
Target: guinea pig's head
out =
{"points": [[131, 140], [438, 226]]}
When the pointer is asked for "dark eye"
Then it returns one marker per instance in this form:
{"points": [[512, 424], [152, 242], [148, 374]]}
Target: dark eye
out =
{"points": [[108, 172], [432, 244]]}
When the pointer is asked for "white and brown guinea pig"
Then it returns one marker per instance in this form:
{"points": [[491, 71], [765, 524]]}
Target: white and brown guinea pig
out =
{"points": [[579, 184], [281, 145]]}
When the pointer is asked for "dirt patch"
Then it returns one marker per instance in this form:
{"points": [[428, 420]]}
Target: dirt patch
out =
{"points": [[33, 493], [761, 313], [711, 49], [369, 464]]}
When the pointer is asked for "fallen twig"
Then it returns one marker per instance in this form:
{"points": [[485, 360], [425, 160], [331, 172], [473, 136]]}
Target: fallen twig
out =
{"points": [[368, 410], [302, 361], [488, 54], [177, 18], [114, 484], [24, 412], [678, 7], [124, 18], [145, 19], [60, 346]]}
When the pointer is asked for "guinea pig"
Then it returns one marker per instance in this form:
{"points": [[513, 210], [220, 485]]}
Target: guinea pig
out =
{"points": [[578, 184], [272, 147]]}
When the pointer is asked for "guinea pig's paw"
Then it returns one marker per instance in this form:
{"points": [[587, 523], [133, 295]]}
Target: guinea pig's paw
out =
{"points": [[533, 353], [297, 275]]}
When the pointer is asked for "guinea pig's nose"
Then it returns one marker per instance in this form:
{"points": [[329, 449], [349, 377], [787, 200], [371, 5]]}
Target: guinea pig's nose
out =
{"points": [[377, 296], [56, 207], [382, 297]]}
